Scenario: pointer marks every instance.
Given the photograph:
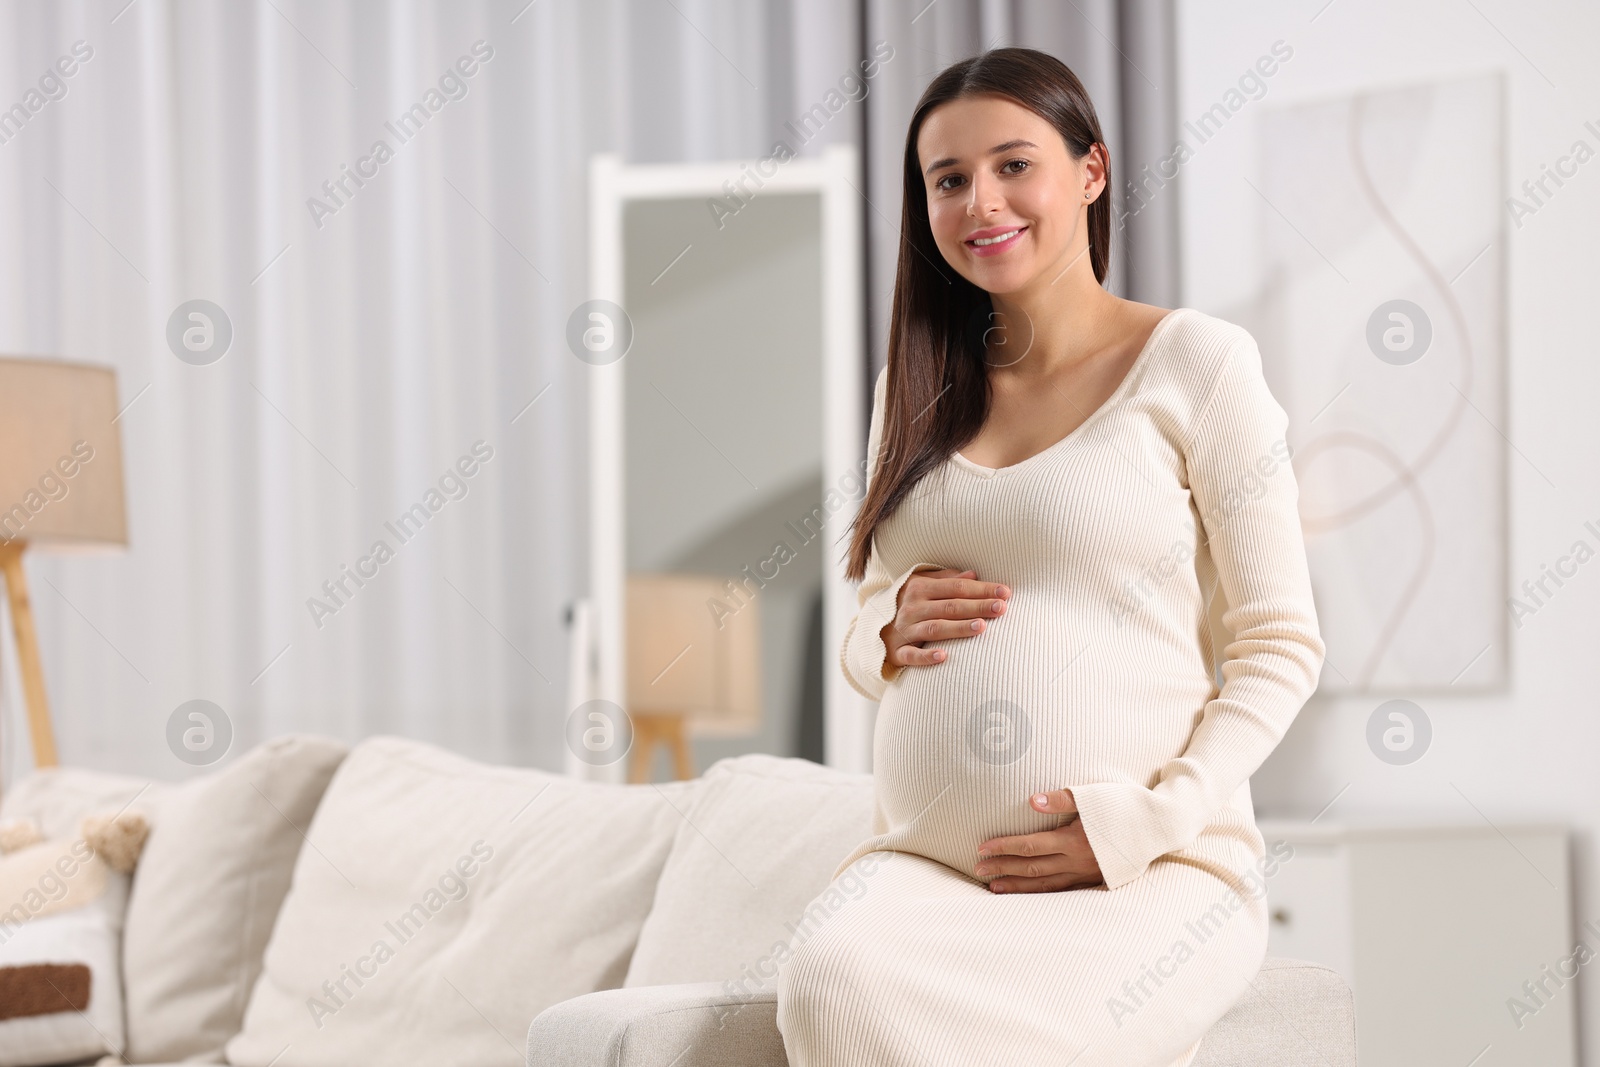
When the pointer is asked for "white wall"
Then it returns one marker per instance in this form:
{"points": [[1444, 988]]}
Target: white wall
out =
{"points": [[1526, 754]]}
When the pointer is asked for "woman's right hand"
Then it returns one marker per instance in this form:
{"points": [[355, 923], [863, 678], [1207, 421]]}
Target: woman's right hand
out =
{"points": [[936, 605]]}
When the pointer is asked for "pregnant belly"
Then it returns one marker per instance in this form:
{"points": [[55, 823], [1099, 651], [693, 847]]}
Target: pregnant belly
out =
{"points": [[959, 747]]}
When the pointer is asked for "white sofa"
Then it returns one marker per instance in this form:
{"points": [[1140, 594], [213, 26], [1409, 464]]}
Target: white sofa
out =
{"points": [[306, 905]]}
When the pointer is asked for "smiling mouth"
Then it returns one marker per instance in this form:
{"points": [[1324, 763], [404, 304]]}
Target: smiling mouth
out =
{"points": [[997, 239]]}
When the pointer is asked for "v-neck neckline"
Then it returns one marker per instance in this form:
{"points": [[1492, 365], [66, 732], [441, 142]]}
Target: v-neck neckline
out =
{"points": [[1110, 402]]}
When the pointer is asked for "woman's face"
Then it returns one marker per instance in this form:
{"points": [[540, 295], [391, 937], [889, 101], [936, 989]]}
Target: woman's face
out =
{"points": [[990, 167]]}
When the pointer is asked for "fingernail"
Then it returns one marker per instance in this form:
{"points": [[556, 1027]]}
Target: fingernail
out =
{"points": [[1005, 590], [1041, 800], [977, 624], [998, 607], [984, 853], [983, 870]]}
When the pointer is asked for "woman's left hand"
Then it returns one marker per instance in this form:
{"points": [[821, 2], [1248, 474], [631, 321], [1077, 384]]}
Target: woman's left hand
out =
{"points": [[1044, 862]]}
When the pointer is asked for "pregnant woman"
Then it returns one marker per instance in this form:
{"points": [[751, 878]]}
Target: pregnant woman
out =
{"points": [[1075, 502]]}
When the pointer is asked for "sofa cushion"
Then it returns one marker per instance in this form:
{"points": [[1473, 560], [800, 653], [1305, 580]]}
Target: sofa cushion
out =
{"points": [[441, 904], [761, 842], [214, 872]]}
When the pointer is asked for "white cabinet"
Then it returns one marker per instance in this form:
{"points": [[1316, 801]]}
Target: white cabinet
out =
{"points": [[1457, 940]]}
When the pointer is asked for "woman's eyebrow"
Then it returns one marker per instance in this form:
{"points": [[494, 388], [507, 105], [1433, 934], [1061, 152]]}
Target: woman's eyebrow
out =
{"points": [[996, 150]]}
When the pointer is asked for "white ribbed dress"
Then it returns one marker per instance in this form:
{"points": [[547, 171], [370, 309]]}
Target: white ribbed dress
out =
{"points": [[1100, 677]]}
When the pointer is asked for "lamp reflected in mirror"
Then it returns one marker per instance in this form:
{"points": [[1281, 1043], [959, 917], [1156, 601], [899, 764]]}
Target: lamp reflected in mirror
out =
{"points": [[694, 665]]}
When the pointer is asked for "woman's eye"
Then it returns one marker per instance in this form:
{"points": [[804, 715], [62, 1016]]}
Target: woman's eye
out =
{"points": [[1021, 166]]}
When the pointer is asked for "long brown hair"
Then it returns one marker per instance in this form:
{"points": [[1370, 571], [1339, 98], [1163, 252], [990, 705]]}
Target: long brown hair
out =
{"points": [[938, 389]]}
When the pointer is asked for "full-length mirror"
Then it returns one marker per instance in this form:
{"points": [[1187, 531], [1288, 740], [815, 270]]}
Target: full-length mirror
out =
{"points": [[722, 411], [721, 438]]}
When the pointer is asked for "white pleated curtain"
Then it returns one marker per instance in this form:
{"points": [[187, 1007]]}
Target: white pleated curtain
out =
{"points": [[386, 332]]}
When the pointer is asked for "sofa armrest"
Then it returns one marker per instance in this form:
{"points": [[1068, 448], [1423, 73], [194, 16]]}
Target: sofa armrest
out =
{"points": [[694, 1025], [1294, 1014]]}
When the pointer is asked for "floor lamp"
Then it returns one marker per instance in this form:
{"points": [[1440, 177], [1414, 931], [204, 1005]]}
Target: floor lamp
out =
{"points": [[694, 665], [60, 489]]}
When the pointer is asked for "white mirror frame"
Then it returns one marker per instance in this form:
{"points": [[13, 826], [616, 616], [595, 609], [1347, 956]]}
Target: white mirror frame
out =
{"points": [[847, 716]]}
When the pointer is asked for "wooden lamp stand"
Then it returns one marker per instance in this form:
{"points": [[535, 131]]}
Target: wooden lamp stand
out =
{"points": [[44, 738]]}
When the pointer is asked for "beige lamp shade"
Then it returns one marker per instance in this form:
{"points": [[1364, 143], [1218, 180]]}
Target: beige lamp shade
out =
{"points": [[60, 454], [693, 650]]}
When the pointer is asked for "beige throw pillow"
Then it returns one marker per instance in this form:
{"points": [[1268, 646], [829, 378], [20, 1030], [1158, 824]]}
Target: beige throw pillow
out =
{"points": [[441, 904], [762, 840], [207, 890]]}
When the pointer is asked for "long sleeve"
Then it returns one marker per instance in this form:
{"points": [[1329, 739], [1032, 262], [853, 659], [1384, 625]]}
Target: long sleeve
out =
{"points": [[863, 655], [1247, 496]]}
